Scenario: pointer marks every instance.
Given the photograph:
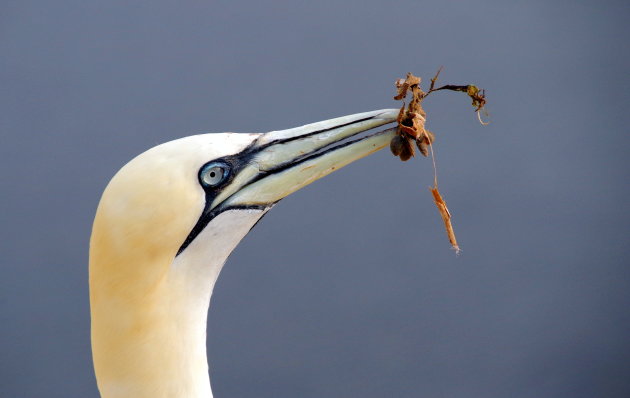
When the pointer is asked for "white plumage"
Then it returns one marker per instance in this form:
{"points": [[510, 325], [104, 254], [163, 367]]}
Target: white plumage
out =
{"points": [[164, 227]]}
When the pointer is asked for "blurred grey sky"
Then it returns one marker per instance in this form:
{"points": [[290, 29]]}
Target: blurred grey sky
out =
{"points": [[348, 288]]}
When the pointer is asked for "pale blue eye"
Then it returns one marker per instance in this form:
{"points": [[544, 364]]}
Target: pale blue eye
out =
{"points": [[213, 174]]}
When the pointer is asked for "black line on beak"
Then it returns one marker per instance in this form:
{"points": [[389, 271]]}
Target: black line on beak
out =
{"points": [[242, 159]]}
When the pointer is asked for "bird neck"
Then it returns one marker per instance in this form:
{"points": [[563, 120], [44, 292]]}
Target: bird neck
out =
{"points": [[149, 335], [154, 345]]}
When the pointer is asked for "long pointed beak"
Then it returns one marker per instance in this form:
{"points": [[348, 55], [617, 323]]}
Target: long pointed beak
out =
{"points": [[284, 161], [279, 163]]}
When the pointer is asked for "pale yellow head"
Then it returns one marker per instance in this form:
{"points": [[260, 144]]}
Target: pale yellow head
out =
{"points": [[164, 227]]}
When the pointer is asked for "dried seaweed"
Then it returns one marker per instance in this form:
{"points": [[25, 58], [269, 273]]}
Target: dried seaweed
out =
{"points": [[411, 128], [446, 217]]}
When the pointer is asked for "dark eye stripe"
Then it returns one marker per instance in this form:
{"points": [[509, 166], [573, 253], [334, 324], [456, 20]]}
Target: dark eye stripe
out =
{"points": [[232, 165]]}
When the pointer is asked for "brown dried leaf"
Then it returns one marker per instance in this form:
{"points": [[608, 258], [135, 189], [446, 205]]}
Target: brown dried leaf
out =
{"points": [[402, 86], [411, 119], [446, 217], [401, 113], [478, 97], [423, 147], [424, 141], [396, 145], [412, 80], [410, 131], [408, 150], [428, 137]]}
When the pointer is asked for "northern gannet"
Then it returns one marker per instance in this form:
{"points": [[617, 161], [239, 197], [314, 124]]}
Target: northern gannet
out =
{"points": [[164, 227]]}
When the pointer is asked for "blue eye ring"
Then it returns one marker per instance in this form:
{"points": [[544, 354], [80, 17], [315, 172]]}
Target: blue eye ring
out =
{"points": [[214, 174]]}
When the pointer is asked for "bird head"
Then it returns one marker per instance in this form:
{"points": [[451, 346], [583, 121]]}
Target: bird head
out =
{"points": [[167, 222], [170, 199]]}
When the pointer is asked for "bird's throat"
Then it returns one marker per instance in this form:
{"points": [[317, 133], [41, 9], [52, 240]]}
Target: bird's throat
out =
{"points": [[155, 350], [151, 341]]}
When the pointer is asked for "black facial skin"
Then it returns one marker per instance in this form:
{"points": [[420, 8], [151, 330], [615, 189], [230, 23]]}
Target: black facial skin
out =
{"points": [[236, 163]]}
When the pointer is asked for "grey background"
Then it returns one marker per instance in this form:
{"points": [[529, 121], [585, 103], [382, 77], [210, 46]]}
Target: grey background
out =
{"points": [[348, 288]]}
